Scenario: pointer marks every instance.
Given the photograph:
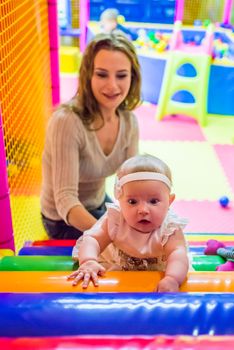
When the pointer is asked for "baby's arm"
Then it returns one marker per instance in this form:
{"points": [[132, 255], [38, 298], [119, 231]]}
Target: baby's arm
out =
{"points": [[90, 248], [177, 263]]}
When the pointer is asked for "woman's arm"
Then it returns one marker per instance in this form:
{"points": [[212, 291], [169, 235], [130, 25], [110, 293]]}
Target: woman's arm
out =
{"points": [[66, 139], [80, 218], [133, 148]]}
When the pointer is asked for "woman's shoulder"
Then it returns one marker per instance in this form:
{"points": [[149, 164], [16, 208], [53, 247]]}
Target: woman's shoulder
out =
{"points": [[64, 121], [128, 115], [130, 119], [65, 115], [66, 111]]}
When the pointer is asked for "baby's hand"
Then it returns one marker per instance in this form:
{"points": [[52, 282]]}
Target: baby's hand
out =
{"points": [[87, 271], [168, 284]]}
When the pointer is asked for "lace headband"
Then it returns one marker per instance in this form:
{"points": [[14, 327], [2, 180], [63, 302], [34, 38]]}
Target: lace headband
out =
{"points": [[144, 175]]}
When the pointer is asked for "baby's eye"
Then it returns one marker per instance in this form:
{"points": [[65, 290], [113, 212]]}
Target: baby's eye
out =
{"points": [[132, 201], [154, 201]]}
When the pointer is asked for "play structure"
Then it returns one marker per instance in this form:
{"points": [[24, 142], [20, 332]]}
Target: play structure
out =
{"points": [[117, 342], [176, 80], [154, 49], [39, 306], [36, 293]]}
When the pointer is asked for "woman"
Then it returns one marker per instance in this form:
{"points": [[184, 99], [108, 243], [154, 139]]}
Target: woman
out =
{"points": [[89, 137]]}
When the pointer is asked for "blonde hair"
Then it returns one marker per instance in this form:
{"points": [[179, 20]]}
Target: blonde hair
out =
{"points": [[144, 162], [109, 14], [86, 105]]}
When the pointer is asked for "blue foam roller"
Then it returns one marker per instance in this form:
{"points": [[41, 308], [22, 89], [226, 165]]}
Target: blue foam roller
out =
{"points": [[198, 250], [62, 314], [46, 250]]}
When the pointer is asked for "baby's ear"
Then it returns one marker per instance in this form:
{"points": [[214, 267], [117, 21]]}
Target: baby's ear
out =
{"points": [[171, 198]]}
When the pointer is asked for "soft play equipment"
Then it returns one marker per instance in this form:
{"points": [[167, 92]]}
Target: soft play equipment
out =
{"points": [[65, 263], [53, 314], [6, 252], [46, 250], [114, 281], [192, 239], [70, 59], [54, 243], [176, 80], [160, 342], [215, 247], [44, 303], [67, 250], [43, 263]]}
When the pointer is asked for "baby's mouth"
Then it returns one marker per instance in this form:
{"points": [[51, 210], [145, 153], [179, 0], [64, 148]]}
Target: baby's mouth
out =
{"points": [[144, 222]]}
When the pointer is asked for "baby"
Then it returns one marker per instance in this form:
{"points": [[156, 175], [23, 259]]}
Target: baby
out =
{"points": [[110, 24], [139, 233]]}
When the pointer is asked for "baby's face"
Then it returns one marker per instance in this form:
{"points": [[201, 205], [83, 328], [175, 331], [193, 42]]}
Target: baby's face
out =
{"points": [[145, 203]]}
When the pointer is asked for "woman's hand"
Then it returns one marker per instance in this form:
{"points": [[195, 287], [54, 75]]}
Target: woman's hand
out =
{"points": [[89, 270], [168, 284]]}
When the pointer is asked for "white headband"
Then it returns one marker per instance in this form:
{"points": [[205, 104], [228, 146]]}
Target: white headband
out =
{"points": [[144, 175]]}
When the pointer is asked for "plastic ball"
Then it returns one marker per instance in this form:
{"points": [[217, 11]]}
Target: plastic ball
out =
{"points": [[206, 22], [197, 22], [224, 201], [197, 40], [121, 19]]}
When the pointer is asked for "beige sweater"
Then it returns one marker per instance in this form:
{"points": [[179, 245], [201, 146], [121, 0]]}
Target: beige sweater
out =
{"points": [[74, 166]]}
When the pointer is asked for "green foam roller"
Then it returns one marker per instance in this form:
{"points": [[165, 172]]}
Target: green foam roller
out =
{"points": [[37, 263], [65, 263], [206, 262]]}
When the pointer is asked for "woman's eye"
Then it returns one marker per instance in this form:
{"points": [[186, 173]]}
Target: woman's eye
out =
{"points": [[154, 201], [132, 201], [121, 76], [101, 75]]}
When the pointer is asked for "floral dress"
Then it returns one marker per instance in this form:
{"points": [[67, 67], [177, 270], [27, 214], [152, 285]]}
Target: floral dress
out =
{"points": [[131, 250]]}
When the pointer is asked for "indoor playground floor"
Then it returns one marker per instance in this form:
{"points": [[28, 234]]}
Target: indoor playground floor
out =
{"points": [[201, 159], [202, 163]]}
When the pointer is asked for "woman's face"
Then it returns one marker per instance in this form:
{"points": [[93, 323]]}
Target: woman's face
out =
{"points": [[111, 79]]}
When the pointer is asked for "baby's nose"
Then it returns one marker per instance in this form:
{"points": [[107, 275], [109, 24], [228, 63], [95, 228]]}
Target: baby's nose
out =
{"points": [[143, 209]]}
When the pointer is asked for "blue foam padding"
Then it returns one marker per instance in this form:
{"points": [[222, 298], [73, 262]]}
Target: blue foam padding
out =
{"points": [[46, 250], [58, 314]]}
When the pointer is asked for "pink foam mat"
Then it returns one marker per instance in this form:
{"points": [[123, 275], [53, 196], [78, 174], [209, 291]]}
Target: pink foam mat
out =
{"points": [[206, 216], [171, 128], [225, 154]]}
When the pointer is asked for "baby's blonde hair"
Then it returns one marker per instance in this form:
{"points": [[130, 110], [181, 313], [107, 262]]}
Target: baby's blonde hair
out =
{"points": [[144, 162]]}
